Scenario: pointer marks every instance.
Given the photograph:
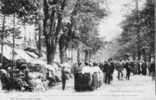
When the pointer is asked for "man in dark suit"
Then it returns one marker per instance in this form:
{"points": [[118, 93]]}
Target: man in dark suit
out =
{"points": [[152, 69], [144, 68], [109, 69], [63, 78]]}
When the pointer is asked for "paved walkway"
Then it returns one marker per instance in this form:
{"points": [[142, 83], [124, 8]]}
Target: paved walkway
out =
{"points": [[138, 88]]}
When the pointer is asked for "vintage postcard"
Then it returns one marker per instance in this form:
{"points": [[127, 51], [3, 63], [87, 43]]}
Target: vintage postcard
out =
{"points": [[77, 49]]}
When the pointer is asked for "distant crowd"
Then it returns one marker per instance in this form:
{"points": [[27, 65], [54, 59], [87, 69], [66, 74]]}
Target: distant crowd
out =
{"points": [[126, 68]]}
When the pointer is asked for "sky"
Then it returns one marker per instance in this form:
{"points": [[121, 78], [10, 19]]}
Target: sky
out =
{"points": [[109, 27]]}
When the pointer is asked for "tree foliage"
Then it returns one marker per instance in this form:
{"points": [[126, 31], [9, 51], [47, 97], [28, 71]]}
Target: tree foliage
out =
{"points": [[128, 39], [82, 27], [68, 22]]}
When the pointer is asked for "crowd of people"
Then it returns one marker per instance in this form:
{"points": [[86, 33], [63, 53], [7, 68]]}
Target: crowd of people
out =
{"points": [[127, 66], [125, 69]]}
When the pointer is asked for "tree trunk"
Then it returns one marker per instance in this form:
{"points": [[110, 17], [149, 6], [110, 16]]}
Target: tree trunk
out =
{"points": [[51, 29], [13, 39], [90, 56], [39, 38], [138, 31], [62, 55], [134, 56], [86, 56], [39, 32], [49, 38], [25, 33], [72, 55], [58, 28], [149, 57], [78, 55], [2, 41], [51, 50], [144, 55], [50, 55]]}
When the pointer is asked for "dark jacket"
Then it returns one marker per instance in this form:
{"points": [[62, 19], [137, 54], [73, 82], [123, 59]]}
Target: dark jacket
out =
{"points": [[152, 67]]}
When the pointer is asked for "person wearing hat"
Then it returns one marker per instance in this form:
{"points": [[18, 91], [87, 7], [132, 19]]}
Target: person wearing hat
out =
{"points": [[66, 70], [64, 78], [109, 69], [152, 69]]}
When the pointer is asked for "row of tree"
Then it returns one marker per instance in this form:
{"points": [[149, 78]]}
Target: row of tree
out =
{"points": [[63, 23], [137, 38]]}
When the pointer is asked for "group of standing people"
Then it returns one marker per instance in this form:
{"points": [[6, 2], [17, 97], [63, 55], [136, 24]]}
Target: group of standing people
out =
{"points": [[108, 69], [124, 68], [134, 67]]}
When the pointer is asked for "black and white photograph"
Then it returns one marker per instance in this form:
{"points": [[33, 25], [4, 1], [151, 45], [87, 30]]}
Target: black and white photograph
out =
{"points": [[77, 49]]}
